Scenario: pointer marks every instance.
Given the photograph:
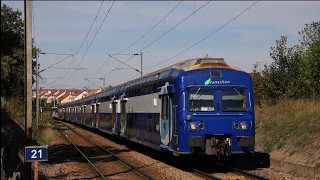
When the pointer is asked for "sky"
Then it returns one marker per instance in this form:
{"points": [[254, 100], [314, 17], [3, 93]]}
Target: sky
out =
{"points": [[61, 27]]}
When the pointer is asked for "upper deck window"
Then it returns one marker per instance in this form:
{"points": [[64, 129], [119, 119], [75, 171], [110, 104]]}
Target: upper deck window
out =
{"points": [[233, 100], [215, 73], [201, 100]]}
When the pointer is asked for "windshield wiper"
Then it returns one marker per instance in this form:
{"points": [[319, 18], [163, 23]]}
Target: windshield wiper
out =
{"points": [[196, 93], [239, 94]]}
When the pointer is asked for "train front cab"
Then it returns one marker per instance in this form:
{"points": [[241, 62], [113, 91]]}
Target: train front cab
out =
{"points": [[217, 115]]}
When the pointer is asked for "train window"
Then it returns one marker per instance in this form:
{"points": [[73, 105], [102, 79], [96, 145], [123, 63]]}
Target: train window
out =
{"points": [[163, 109], [201, 100], [233, 100], [215, 73]]}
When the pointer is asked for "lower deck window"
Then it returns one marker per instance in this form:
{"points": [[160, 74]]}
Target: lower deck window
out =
{"points": [[233, 100], [201, 100]]}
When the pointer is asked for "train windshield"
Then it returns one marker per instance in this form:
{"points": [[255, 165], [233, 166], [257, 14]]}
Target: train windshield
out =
{"points": [[233, 100], [201, 100]]}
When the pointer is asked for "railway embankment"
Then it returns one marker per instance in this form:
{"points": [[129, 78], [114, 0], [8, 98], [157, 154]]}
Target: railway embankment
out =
{"points": [[12, 147], [288, 154], [289, 131]]}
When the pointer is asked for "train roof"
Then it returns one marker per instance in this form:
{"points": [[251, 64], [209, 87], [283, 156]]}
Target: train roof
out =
{"points": [[187, 65]]}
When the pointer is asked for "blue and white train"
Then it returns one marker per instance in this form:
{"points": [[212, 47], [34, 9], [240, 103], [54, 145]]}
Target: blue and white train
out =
{"points": [[198, 106]]}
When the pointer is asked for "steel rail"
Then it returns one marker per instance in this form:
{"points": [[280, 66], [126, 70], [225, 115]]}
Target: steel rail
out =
{"points": [[206, 174], [95, 168], [123, 161], [244, 173]]}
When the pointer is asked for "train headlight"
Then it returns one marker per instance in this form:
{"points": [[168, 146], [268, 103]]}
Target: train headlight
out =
{"points": [[193, 126], [243, 126], [189, 117]]}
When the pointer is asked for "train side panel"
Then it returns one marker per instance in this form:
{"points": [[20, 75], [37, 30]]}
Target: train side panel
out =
{"points": [[143, 120], [105, 117]]}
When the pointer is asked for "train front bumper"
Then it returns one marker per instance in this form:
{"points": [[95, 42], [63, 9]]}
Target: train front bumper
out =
{"points": [[224, 144]]}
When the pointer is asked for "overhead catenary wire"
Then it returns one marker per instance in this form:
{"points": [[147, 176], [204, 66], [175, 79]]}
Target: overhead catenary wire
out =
{"points": [[151, 28], [92, 41], [161, 36], [56, 63], [53, 81], [96, 72], [141, 37], [205, 37], [80, 47]]}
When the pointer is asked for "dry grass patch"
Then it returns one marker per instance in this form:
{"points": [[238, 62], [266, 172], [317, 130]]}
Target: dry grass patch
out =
{"points": [[288, 118], [289, 126]]}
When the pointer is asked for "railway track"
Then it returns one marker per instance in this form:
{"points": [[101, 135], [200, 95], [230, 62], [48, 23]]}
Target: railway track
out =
{"points": [[105, 151], [196, 171], [243, 173], [206, 175], [236, 171]]}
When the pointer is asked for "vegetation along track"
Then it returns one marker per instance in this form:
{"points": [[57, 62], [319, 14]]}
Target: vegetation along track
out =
{"points": [[94, 150]]}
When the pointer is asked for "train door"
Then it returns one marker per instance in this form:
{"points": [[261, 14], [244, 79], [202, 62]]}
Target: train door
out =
{"points": [[75, 114], [123, 115], [69, 112], [80, 114], [97, 115], [114, 116], [93, 111], [174, 121], [84, 114], [166, 119]]}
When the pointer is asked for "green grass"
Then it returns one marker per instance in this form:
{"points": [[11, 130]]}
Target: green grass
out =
{"points": [[295, 119], [16, 110]]}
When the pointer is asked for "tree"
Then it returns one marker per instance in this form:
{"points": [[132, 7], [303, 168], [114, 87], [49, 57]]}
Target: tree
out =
{"points": [[310, 62], [12, 53], [108, 87], [310, 34], [295, 71]]}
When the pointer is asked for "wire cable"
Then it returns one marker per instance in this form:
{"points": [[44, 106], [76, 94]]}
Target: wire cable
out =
{"points": [[97, 70], [206, 36], [139, 37], [92, 41], [161, 35], [84, 38], [56, 63], [80, 47], [151, 28]]}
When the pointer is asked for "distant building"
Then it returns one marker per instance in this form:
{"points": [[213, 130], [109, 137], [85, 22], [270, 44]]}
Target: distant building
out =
{"points": [[64, 95]]}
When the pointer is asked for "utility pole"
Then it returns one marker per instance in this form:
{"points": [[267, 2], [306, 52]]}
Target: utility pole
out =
{"points": [[28, 78], [37, 92], [259, 62], [104, 82], [141, 64]]}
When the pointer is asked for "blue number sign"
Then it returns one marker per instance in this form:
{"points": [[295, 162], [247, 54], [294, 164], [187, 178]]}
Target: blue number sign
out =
{"points": [[36, 153]]}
